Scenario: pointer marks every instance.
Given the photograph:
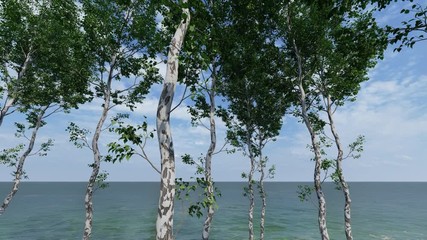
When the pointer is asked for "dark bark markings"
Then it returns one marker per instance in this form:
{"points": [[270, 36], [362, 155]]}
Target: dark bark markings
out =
{"points": [[164, 223]]}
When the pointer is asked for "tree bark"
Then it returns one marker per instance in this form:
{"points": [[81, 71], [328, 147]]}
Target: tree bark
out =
{"points": [[20, 167], [250, 190], [251, 197], [262, 165], [343, 183], [9, 103], [164, 223], [317, 169], [11, 99], [316, 148], [96, 165], [208, 163]]}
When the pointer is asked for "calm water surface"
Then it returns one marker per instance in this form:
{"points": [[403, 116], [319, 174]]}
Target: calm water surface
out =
{"points": [[55, 211]]}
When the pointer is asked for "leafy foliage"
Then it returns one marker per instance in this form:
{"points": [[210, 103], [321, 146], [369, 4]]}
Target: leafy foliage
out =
{"points": [[185, 189], [78, 136], [412, 30], [9, 156], [42, 55], [130, 136], [304, 192]]}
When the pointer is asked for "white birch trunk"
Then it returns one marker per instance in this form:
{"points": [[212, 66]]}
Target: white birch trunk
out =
{"points": [[263, 194], [251, 198], [96, 165], [317, 169], [20, 167], [250, 190], [343, 183], [12, 99], [208, 163], [316, 148], [9, 103], [164, 223]]}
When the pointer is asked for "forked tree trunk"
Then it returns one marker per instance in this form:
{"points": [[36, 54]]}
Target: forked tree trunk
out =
{"points": [[314, 142], [20, 167], [317, 168], [96, 165], [12, 99], [3, 112], [250, 189], [208, 164], [164, 223], [343, 183]]}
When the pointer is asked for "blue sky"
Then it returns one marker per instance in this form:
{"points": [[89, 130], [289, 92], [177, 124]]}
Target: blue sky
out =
{"points": [[391, 111]]}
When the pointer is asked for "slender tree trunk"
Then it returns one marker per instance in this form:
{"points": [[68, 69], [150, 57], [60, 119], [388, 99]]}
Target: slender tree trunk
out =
{"points": [[317, 170], [11, 99], [9, 103], [20, 167], [343, 183], [316, 148], [96, 165], [164, 223], [251, 197], [263, 195], [208, 164], [250, 190]]}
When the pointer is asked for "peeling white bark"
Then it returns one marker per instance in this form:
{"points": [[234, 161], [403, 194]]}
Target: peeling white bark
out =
{"points": [[208, 163], [317, 170], [262, 192], [20, 167], [314, 142], [164, 223], [343, 183], [10, 98], [96, 165], [250, 192]]}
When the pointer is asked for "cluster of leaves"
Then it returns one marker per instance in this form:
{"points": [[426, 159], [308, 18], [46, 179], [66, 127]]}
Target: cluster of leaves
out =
{"points": [[304, 192], [78, 136], [130, 136], [186, 189], [100, 181], [9, 156], [413, 30], [328, 164], [43, 59]]}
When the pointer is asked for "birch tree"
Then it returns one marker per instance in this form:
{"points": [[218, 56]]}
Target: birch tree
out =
{"points": [[199, 72], [44, 70], [120, 36], [331, 57], [412, 30], [164, 223], [251, 84], [36, 117], [41, 53]]}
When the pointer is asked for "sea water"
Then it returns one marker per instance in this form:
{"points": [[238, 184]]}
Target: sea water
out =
{"points": [[128, 211]]}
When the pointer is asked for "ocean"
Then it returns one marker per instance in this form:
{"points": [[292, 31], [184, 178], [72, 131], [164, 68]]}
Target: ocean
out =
{"points": [[127, 210]]}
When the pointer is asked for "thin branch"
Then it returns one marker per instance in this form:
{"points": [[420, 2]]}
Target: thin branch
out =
{"points": [[222, 148], [144, 156], [58, 109], [203, 125], [182, 99]]}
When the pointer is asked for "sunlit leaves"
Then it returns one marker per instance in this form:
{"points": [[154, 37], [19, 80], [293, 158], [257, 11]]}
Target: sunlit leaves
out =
{"points": [[130, 137], [78, 136], [42, 50], [412, 30], [9, 156]]}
